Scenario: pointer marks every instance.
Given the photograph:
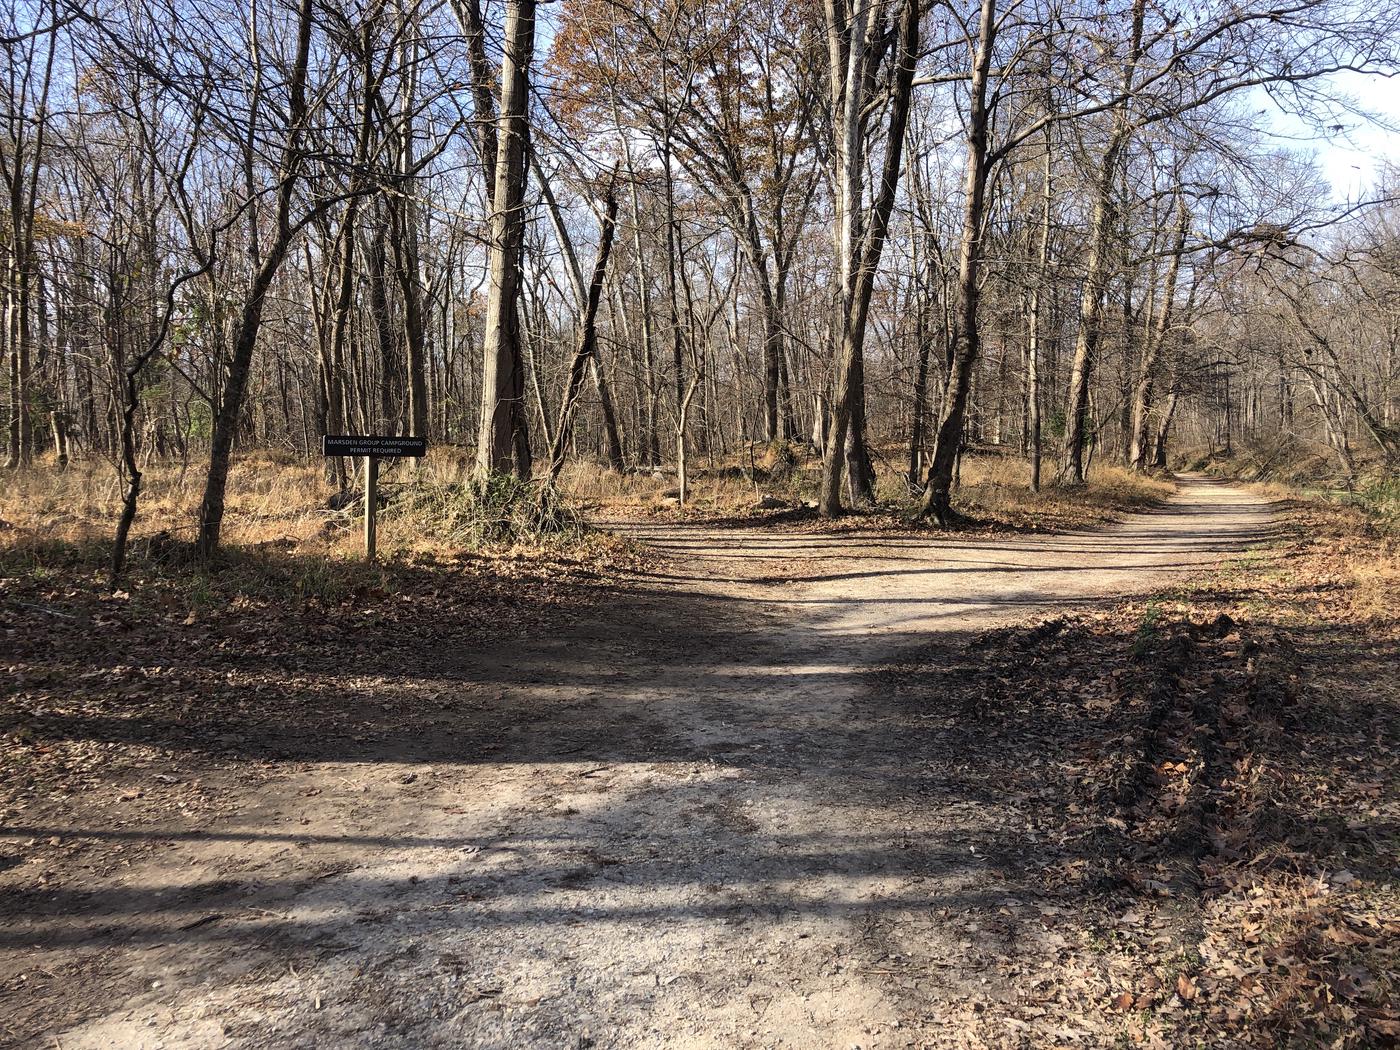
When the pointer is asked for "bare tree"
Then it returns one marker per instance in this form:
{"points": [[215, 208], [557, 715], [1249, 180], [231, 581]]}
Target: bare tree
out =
{"points": [[502, 381], [856, 42]]}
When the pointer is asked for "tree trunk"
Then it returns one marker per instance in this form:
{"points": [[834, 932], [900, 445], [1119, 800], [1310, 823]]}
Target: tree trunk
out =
{"points": [[332, 372], [1159, 441], [923, 340], [1033, 348], [211, 513], [966, 341], [58, 424], [1096, 276], [587, 344], [1152, 347], [405, 230], [502, 382], [611, 434], [859, 255]]}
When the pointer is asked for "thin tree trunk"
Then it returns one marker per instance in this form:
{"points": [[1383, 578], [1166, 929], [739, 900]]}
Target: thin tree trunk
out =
{"points": [[966, 342], [405, 229], [923, 341], [1033, 348], [387, 334], [587, 341], [1093, 298], [1152, 345], [211, 514]]}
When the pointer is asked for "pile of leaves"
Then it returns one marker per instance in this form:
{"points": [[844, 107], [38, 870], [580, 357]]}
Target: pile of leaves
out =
{"points": [[1206, 786]]}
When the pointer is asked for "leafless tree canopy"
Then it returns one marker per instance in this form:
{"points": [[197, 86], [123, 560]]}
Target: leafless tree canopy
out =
{"points": [[650, 232]]}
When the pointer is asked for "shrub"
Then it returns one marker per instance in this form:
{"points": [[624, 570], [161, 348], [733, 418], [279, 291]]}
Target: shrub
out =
{"points": [[501, 510]]}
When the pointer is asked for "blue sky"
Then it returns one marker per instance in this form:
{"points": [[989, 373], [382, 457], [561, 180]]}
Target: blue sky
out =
{"points": [[1352, 160]]}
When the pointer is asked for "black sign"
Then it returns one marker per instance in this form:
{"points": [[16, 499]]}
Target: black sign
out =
{"points": [[373, 445]]}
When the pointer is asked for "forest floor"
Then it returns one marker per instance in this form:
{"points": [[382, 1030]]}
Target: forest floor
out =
{"points": [[757, 788]]}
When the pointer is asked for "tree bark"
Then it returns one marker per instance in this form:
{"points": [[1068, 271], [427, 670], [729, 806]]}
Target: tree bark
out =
{"points": [[1152, 346], [587, 340], [859, 252], [502, 381], [966, 341]]}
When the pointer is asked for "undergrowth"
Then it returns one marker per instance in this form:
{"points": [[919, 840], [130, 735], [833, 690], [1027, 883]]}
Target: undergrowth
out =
{"points": [[1380, 498], [51, 521], [502, 510]]}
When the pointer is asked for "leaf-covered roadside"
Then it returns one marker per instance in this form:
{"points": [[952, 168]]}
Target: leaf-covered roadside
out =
{"points": [[173, 700], [1201, 804]]}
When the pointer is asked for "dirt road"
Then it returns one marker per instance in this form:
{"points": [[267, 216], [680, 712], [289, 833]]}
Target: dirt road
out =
{"points": [[712, 816]]}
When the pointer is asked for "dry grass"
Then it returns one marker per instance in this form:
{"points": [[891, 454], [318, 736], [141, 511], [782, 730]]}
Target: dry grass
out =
{"points": [[1358, 559], [277, 502], [283, 546], [995, 490], [269, 498], [273, 500], [1296, 470]]}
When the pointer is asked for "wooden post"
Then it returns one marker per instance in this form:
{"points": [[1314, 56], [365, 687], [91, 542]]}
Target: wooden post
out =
{"points": [[371, 503]]}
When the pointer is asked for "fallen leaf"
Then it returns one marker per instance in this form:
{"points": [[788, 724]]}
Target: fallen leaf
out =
{"points": [[1186, 988]]}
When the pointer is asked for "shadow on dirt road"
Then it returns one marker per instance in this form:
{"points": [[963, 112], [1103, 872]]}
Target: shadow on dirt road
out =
{"points": [[719, 812]]}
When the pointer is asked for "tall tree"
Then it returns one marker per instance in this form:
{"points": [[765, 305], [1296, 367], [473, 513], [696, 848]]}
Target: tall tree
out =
{"points": [[858, 37], [502, 380]]}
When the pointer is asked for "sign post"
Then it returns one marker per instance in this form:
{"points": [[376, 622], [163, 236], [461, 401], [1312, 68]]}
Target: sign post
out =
{"points": [[371, 504], [372, 448]]}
